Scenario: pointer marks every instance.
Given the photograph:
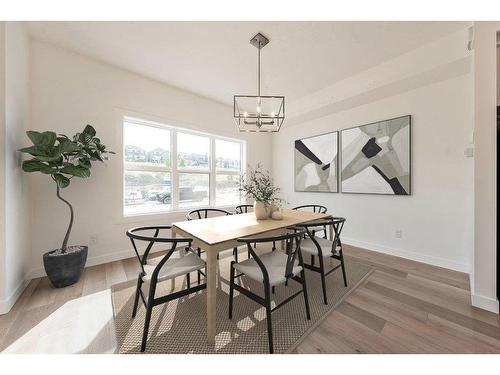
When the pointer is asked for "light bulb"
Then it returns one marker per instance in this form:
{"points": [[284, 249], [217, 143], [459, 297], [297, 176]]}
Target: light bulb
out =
{"points": [[272, 114], [259, 109], [245, 114]]}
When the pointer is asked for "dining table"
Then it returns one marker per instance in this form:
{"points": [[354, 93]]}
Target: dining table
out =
{"points": [[220, 233]]}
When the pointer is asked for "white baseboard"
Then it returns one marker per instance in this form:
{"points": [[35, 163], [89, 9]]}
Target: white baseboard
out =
{"points": [[418, 257], [8, 303], [485, 303], [94, 261]]}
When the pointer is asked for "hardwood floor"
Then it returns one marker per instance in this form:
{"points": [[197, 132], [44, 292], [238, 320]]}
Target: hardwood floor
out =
{"points": [[402, 307]]}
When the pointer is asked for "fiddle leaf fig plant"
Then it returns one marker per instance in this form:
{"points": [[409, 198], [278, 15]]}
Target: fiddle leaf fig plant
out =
{"points": [[63, 158]]}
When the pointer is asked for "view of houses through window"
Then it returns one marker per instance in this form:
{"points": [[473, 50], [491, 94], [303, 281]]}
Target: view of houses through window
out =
{"points": [[168, 168]]}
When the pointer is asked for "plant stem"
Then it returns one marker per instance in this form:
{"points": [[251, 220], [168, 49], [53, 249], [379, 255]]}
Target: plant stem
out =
{"points": [[66, 237]]}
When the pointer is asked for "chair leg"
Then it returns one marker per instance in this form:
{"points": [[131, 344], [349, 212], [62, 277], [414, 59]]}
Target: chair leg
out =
{"points": [[199, 274], [323, 282], [269, 322], [188, 280], [304, 291], [312, 260], [235, 254], [343, 267], [149, 310], [231, 291], [272, 289], [137, 292]]}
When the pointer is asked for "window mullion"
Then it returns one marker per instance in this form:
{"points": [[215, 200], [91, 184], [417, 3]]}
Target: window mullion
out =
{"points": [[175, 175], [212, 177]]}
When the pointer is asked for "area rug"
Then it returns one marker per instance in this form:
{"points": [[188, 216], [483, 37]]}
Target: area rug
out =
{"points": [[179, 326]]}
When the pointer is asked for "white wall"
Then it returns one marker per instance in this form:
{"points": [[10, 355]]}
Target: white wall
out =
{"points": [[485, 91], [69, 91], [2, 166], [437, 219], [17, 217]]}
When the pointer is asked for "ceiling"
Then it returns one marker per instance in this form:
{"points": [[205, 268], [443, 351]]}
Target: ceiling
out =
{"points": [[216, 60]]}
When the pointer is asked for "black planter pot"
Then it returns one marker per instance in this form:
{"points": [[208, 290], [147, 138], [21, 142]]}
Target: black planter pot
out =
{"points": [[66, 269]]}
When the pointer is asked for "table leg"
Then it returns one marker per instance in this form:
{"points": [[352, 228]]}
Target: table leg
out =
{"points": [[330, 229], [211, 295]]}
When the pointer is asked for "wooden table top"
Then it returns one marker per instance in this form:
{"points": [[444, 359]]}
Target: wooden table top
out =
{"points": [[225, 228]]}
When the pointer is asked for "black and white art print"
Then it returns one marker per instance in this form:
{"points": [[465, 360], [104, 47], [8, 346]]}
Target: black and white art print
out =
{"points": [[376, 158], [316, 163]]}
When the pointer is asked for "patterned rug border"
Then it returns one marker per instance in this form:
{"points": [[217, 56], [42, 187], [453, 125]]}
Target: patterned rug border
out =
{"points": [[129, 283]]}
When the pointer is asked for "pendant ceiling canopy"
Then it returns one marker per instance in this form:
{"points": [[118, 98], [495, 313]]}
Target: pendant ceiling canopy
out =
{"points": [[259, 113]]}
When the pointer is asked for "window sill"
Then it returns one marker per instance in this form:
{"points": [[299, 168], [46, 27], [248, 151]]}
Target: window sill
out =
{"points": [[177, 215]]}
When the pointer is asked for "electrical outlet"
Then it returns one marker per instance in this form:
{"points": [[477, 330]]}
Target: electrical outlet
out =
{"points": [[94, 239], [399, 233]]}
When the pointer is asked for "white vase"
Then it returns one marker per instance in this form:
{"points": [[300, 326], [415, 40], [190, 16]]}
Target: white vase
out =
{"points": [[277, 214], [260, 210]]}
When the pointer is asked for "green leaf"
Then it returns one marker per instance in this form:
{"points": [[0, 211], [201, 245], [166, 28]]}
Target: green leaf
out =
{"points": [[87, 134], [42, 140], [61, 181], [47, 169], [96, 155], [85, 162], [76, 170], [63, 137], [33, 165], [84, 138], [68, 146], [55, 157], [32, 150], [89, 129]]}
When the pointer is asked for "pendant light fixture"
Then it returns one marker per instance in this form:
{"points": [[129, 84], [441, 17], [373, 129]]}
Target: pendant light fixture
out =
{"points": [[259, 113]]}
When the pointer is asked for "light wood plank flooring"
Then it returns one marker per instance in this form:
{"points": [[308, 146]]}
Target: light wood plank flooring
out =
{"points": [[402, 307]]}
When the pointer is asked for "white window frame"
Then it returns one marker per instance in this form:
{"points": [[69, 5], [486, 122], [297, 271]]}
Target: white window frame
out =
{"points": [[174, 170]]}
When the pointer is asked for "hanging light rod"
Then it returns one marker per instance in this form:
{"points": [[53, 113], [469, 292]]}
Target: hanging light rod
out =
{"points": [[259, 113]]}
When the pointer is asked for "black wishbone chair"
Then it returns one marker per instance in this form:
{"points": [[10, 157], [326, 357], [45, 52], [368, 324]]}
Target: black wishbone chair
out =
{"points": [[271, 269], [243, 208], [314, 208], [323, 248], [204, 213], [165, 267]]}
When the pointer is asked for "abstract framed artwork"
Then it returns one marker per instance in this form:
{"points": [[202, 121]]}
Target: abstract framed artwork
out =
{"points": [[376, 158], [316, 163]]}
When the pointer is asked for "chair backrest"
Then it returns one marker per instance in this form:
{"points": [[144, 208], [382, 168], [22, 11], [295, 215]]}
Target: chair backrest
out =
{"points": [[137, 234], [243, 208], [314, 207], [293, 252], [336, 222], [204, 213]]}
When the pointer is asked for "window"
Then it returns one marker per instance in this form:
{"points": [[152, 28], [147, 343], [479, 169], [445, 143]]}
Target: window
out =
{"points": [[228, 170], [168, 168]]}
